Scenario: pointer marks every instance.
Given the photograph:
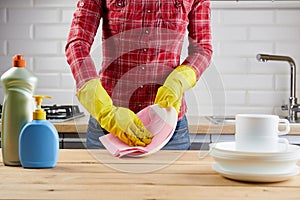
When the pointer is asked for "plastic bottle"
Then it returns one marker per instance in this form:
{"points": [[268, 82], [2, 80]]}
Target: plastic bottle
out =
{"points": [[19, 84], [39, 141]]}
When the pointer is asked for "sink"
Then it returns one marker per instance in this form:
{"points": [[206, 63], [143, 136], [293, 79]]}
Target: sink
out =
{"points": [[221, 119]]}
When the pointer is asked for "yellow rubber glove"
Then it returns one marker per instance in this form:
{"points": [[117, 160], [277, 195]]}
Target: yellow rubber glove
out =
{"points": [[180, 79], [119, 121]]}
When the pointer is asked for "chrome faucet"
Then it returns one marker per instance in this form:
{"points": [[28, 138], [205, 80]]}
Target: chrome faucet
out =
{"points": [[293, 106]]}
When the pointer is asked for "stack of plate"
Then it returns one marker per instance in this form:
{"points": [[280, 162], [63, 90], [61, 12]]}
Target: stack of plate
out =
{"points": [[255, 166]]}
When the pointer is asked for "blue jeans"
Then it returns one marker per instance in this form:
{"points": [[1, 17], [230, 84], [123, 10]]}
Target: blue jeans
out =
{"points": [[179, 141]]}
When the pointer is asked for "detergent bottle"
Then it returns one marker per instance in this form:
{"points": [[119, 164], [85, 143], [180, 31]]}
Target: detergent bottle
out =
{"points": [[39, 141], [19, 84]]}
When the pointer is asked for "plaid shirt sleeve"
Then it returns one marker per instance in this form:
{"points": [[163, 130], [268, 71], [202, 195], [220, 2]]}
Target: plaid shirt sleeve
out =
{"points": [[200, 48], [84, 27]]}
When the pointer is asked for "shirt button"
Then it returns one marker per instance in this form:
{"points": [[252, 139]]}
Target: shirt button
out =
{"points": [[143, 67], [140, 105], [145, 50], [120, 4], [148, 11], [81, 4], [141, 86], [146, 31]]}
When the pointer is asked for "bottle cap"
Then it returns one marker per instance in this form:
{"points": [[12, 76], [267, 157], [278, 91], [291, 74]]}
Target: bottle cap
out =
{"points": [[39, 113], [18, 61]]}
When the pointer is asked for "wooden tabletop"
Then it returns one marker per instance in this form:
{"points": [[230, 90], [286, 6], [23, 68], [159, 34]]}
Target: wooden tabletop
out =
{"points": [[83, 174], [197, 125]]}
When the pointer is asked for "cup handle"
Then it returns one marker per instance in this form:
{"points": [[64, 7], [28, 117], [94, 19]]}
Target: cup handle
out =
{"points": [[287, 127], [285, 141]]}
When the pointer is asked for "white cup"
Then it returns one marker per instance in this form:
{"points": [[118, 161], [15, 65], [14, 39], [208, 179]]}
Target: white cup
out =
{"points": [[259, 132]]}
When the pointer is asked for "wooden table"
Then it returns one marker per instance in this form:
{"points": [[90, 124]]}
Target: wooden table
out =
{"points": [[82, 174]]}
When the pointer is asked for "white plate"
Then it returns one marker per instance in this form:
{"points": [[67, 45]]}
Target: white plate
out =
{"points": [[231, 147], [256, 177], [229, 159], [228, 149], [170, 117]]}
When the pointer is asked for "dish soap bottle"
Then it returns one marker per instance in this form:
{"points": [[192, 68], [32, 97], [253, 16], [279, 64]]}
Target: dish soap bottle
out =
{"points": [[39, 142], [19, 84]]}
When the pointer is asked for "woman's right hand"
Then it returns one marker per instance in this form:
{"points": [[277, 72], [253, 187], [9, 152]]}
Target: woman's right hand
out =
{"points": [[119, 121]]}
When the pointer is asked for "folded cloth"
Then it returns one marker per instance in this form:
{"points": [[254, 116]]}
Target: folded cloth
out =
{"points": [[161, 122]]}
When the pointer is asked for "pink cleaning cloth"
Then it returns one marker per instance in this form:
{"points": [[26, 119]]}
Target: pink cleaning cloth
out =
{"points": [[155, 122]]}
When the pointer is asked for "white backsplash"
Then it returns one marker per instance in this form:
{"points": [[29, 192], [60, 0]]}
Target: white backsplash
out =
{"points": [[235, 82]]}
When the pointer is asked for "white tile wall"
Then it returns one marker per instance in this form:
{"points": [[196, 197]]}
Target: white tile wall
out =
{"points": [[236, 82], [33, 48], [16, 3], [2, 47], [2, 15], [33, 15]]}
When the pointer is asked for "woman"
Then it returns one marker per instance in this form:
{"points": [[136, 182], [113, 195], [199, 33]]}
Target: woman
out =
{"points": [[141, 44]]}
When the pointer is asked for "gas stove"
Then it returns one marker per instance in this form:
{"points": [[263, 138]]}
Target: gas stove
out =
{"points": [[59, 113]]}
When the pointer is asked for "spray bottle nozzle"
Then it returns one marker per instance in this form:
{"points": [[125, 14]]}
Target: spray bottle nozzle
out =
{"points": [[39, 113]]}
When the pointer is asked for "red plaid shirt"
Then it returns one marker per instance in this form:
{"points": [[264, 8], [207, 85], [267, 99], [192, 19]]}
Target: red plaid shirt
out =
{"points": [[141, 45]]}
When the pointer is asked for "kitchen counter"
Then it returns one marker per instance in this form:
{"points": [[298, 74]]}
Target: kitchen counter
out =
{"points": [[197, 125], [78, 125], [80, 175]]}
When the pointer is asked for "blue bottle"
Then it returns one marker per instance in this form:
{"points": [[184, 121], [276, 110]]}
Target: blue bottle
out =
{"points": [[39, 141]]}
